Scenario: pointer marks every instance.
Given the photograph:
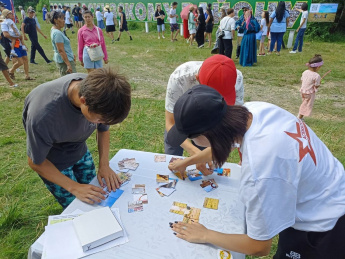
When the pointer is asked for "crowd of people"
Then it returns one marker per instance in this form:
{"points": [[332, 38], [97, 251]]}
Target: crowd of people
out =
{"points": [[291, 184]]}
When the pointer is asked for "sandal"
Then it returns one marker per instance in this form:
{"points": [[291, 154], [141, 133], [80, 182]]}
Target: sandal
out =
{"points": [[12, 76], [29, 78]]}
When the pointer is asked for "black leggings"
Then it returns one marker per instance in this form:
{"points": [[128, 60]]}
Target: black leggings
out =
{"points": [[36, 46]]}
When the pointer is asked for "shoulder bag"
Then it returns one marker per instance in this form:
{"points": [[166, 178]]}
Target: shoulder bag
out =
{"points": [[96, 53]]}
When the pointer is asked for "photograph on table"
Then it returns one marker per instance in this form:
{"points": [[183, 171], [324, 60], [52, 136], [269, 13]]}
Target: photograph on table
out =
{"points": [[135, 206], [160, 158], [211, 203], [191, 215], [141, 197], [209, 185], [179, 208], [160, 178], [128, 163], [138, 188], [194, 174]]}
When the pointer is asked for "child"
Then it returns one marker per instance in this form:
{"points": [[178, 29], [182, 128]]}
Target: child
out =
{"points": [[123, 24], [264, 22], [310, 82], [13, 31], [301, 29], [173, 22]]}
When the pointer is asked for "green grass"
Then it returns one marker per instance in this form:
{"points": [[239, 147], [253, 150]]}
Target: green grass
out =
{"points": [[25, 203]]}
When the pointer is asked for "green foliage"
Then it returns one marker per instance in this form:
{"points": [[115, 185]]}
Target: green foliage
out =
{"points": [[25, 3], [40, 5]]}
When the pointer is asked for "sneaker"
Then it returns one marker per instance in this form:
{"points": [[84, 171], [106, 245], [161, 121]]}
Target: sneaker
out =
{"points": [[73, 32], [24, 48], [13, 53], [187, 41], [293, 52], [201, 46], [49, 61], [33, 62], [130, 37], [118, 39], [163, 37], [159, 37]]}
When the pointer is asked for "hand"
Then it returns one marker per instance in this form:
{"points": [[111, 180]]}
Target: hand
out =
{"points": [[203, 169], [112, 180], [106, 61], [45, 36], [297, 30], [89, 193], [25, 38], [69, 69], [193, 232], [177, 166]]}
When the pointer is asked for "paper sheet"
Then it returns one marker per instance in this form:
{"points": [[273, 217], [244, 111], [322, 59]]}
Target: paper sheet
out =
{"points": [[61, 241]]}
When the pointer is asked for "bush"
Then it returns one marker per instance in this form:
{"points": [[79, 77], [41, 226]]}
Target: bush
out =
{"points": [[41, 3]]}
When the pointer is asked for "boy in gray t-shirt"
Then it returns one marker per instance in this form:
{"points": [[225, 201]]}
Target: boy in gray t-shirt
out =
{"points": [[58, 118]]}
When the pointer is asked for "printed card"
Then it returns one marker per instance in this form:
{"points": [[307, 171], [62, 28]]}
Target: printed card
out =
{"points": [[141, 197], [135, 206], [175, 159], [160, 158], [223, 171], [172, 183], [209, 185], [211, 203], [160, 178], [179, 208], [180, 175], [192, 214], [161, 194], [138, 188], [194, 175]]}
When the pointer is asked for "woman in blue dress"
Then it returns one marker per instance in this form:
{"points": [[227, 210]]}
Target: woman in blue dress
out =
{"points": [[248, 45]]}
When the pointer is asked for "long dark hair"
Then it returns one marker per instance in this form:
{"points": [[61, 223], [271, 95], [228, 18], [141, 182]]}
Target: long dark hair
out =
{"points": [[280, 11], [201, 17], [267, 17], [229, 131], [210, 13]]}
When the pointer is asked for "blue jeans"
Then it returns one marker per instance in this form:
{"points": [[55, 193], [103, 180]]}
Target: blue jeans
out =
{"points": [[299, 39], [276, 37]]}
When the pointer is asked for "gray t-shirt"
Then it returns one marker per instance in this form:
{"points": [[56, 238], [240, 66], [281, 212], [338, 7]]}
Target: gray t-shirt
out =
{"points": [[56, 129]]}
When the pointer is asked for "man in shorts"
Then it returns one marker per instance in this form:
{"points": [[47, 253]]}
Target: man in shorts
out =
{"points": [[123, 24], [59, 116], [173, 23]]}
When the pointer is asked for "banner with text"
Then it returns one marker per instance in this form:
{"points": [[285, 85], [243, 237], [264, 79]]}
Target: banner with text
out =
{"points": [[136, 10]]}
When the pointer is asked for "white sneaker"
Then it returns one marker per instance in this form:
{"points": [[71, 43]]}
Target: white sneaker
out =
{"points": [[163, 37], [293, 52], [159, 37], [201, 46], [13, 53], [24, 48], [14, 86]]}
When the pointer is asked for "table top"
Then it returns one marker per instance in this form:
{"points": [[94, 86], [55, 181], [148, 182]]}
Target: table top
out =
{"points": [[148, 231]]}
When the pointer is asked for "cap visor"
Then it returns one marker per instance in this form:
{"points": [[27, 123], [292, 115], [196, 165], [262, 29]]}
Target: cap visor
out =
{"points": [[175, 138]]}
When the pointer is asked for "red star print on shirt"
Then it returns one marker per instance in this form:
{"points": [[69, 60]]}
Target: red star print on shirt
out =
{"points": [[303, 139]]}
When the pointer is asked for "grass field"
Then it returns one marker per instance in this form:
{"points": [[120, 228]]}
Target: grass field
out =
{"points": [[25, 203]]}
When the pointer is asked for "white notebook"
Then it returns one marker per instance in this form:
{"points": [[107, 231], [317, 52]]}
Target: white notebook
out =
{"points": [[96, 228]]}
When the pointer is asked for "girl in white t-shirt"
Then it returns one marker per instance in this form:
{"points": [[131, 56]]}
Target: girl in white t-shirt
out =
{"points": [[109, 23], [263, 28]]}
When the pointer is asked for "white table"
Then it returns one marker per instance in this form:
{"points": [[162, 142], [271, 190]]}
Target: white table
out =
{"points": [[149, 233]]}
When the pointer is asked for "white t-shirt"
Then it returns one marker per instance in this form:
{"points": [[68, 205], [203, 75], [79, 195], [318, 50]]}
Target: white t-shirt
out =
{"points": [[183, 78], [305, 16], [289, 178], [109, 18], [264, 26], [9, 23], [227, 24], [172, 12], [99, 16], [67, 17]]}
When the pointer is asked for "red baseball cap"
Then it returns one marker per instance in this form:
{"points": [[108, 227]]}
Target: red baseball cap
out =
{"points": [[219, 72]]}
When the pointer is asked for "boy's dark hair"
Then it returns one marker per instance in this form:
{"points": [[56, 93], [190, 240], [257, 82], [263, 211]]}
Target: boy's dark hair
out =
{"points": [[230, 11], [316, 59], [107, 93], [54, 15], [174, 3], [121, 7], [225, 134], [88, 12], [304, 6]]}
